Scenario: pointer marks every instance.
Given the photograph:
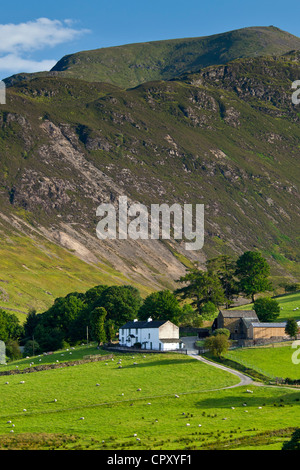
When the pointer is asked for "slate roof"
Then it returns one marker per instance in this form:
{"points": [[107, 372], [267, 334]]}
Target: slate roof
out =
{"points": [[268, 325], [143, 324], [239, 314]]}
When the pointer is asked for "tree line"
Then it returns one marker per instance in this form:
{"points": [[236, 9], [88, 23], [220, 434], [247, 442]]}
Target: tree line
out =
{"points": [[101, 310]]}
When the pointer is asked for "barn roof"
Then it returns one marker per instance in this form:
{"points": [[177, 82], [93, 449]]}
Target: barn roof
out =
{"points": [[239, 314], [268, 325]]}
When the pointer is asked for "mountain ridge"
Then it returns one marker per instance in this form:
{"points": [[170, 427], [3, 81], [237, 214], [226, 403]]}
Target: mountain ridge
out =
{"points": [[132, 64], [226, 136]]}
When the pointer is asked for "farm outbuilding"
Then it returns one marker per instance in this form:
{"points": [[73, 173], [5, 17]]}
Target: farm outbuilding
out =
{"points": [[236, 321], [244, 325]]}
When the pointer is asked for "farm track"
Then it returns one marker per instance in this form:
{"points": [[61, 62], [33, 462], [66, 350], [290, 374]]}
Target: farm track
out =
{"points": [[244, 379]]}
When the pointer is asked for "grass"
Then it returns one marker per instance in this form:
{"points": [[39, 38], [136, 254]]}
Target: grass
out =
{"points": [[288, 304], [273, 361], [154, 413], [35, 272]]}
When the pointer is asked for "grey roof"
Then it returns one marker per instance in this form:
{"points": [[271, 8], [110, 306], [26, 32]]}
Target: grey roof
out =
{"points": [[143, 324], [268, 325], [239, 314]]}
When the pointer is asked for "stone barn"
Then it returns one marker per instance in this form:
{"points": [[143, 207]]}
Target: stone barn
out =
{"points": [[245, 326], [236, 321]]}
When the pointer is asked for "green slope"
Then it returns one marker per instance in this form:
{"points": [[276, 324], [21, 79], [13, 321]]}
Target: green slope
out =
{"points": [[227, 137], [132, 64]]}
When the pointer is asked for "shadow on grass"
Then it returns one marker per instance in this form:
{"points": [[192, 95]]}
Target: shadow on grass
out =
{"points": [[251, 401]]}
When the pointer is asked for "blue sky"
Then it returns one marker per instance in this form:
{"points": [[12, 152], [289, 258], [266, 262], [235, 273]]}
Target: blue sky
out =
{"points": [[35, 35]]}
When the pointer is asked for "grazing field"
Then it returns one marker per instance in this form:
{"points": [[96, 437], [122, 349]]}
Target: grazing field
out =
{"points": [[289, 306], [272, 361], [99, 406]]}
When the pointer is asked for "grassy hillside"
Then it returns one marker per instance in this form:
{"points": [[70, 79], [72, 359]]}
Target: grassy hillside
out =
{"points": [[289, 306], [116, 414], [226, 137], [273, 361], [133, 64]]}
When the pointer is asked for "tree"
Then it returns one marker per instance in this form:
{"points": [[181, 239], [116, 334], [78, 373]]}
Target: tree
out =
{"points": [[253, 271], [110, 330], [122, 303], [161, 305], [292, 327], [10, 328], [13, 349], [217, 345], [266, 309], [202, 287], [30, 323], [31, 348], [97, 322], [225, 268]]}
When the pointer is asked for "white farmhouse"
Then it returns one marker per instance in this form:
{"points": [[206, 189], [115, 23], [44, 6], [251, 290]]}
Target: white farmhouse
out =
{"points": [[161, 335]]}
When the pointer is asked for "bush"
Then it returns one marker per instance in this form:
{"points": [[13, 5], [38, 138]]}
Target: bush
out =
{"points": [[31, 348], [13, 350], [222, 331], [218, 345]]}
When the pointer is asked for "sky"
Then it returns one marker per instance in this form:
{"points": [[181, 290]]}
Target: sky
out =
{"points": [[34, 35]]}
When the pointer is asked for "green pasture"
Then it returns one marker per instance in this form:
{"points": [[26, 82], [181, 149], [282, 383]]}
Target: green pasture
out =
{"points": [[47, 409], [289, 306]]}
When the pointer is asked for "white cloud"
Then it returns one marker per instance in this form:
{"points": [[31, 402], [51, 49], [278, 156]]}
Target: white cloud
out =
{"points": [[19, 41], [36, 34], [14, 64]]}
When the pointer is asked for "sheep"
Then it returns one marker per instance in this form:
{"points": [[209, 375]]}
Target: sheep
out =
{"points": [[82, 417], [6, 383], [55, 400], [176, 396], [24, 409], [188, 424], [139, 390], [22, 381], [8, 422]]}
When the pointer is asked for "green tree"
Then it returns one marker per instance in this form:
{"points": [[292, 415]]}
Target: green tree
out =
{"points": [[30, 323], [97, 323], [10, 328], [161, 305], [31, 348], [291, 327], [266, 309], [122, 303], [217, 345], [201, 287], [222, 331], [253, 271], [110, 330], [225, 268], [13, 349]]}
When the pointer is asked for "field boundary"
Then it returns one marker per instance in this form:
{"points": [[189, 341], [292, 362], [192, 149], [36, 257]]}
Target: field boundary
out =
{"points": [[56, 366]]}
